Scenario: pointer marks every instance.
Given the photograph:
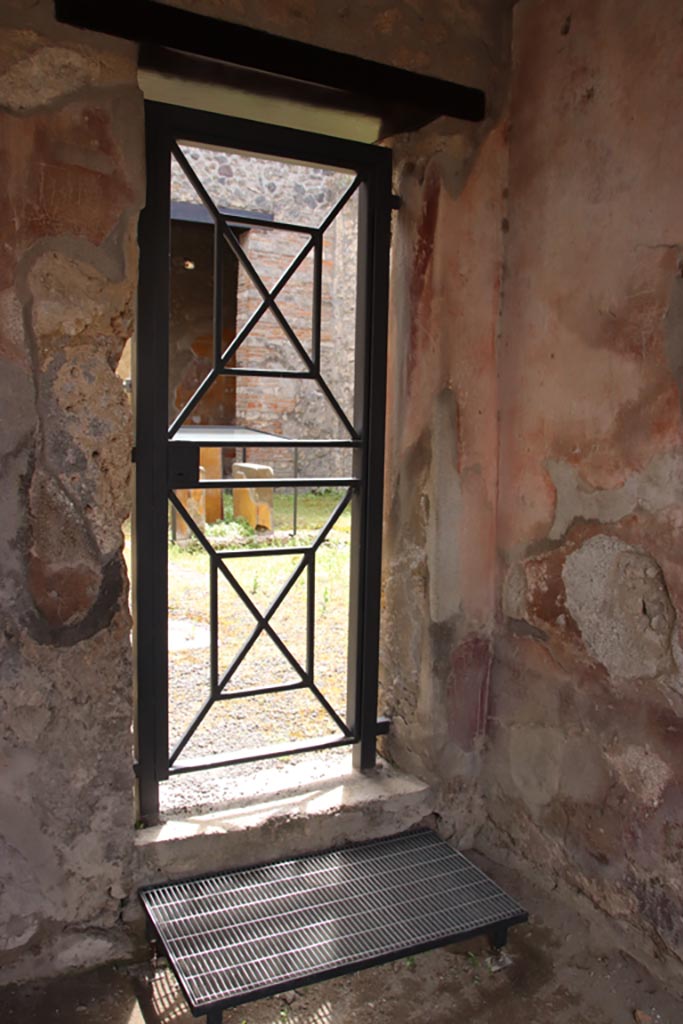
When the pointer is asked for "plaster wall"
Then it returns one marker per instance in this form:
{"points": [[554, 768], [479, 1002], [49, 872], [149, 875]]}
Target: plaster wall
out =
{"points": [[71, 158], [71, 165], [584, 771], [439, 541]]}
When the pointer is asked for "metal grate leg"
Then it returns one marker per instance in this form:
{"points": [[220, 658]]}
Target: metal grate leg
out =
{"points": [[498, 937]]}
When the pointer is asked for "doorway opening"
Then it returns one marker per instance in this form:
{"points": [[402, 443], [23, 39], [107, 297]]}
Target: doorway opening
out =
{"points": [[259, 391]]}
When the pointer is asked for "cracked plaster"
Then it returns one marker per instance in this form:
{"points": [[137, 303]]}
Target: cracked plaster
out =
{"points": [[656, 487]]}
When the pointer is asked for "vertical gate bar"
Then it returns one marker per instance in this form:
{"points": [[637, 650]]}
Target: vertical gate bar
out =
{"points": [[375, 414], [374, 232], [310, 618], [295, 503], [150, 511], [317, 299], [217, 297], [354, 694], [213, 623]]}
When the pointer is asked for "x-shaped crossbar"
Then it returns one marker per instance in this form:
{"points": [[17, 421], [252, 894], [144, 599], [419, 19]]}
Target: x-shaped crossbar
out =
{"points": [[268, 297], [263, 623]]}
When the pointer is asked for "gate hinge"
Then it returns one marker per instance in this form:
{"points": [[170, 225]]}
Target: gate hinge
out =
{"points": [[132, 454], [396, 202]]}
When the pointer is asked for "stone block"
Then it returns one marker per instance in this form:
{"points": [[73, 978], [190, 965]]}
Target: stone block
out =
{"points": [[255, 504], [211, 468], [193, 501], [618, 598]]}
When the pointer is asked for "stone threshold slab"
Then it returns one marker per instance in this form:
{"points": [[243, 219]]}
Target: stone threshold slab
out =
{"points": [[306, 817]]}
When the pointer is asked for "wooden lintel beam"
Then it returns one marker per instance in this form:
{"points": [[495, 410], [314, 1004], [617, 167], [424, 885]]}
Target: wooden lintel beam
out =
{"points": [[151, 22]]}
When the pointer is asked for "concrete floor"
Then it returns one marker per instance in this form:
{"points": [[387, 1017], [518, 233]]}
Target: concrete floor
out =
{"points": [[562, 972]]}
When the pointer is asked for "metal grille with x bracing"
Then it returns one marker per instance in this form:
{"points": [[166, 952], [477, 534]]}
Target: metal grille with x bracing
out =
{"points": [[169, 131], [243, 935]]}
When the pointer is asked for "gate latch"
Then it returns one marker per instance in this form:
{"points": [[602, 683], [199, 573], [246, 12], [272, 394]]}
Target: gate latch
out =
{"points": [[183, 464]]}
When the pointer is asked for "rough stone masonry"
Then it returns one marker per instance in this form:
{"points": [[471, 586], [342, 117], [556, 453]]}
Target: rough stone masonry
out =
{"points": [[533, 578]]}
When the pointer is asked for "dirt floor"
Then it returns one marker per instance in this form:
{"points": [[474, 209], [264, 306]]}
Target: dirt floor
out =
{"points": [[562, 971]]}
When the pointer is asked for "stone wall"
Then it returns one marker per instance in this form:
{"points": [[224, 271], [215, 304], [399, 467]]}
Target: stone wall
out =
{"points": [[584, 776], [71, 150], [72, 169]]}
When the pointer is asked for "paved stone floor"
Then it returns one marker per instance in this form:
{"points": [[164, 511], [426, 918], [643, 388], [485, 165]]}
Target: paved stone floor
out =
{"points": [[561, 972]]}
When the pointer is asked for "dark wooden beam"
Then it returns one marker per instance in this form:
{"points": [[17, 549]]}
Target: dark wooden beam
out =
{"points": [[391, 117], [153, 23]]}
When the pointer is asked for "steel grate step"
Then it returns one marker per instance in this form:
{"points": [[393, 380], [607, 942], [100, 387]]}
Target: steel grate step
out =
{"points": [[246, 934]]}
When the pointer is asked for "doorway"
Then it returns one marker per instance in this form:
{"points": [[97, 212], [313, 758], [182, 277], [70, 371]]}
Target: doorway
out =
{"points": [[259, 393]]}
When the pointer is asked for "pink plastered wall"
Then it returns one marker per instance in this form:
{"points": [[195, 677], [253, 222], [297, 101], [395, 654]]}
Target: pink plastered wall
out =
{"points": [[585, 764]]}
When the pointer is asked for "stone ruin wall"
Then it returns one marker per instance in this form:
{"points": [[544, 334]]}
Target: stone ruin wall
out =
{"points": [[71, 150], [72, 168], [584, 778], [506, 553]]}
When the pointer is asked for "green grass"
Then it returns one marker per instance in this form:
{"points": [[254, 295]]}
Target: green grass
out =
{"points": [[263, 577], [313, 511]]}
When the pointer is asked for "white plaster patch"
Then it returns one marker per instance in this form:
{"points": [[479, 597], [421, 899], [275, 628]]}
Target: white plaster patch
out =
{"points": [[71, 297], [584, 775], [618, 599], [445, 502], [514, 592], [658, 486], [642, 772], [17, 932], [82, 951]]}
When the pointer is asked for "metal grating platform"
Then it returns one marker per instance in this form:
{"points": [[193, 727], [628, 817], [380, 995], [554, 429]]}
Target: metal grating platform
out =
{"points": [[246, 934]]}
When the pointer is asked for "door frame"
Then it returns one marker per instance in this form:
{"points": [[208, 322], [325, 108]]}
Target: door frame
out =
{"points": [[166, 124]]}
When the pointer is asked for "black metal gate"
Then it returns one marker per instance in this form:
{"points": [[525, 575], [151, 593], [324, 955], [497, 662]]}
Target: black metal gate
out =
{"points": [[167, 453]]}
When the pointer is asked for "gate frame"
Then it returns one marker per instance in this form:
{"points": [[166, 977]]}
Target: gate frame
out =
{"points": [[166, 124]]}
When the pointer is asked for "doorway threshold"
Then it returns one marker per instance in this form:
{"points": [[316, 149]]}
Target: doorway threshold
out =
{"points": [[302, 808], [248, 784]]}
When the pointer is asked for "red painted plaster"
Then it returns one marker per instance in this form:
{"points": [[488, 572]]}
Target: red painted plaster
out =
{"points": [[63, 175], [468, 689]]}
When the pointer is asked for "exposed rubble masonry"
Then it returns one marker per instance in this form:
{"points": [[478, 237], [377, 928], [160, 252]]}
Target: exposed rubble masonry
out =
{"points": [[533, 569], [72, 165]]}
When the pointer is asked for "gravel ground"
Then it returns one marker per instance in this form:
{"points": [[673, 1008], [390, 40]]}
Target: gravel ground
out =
{"points": [[245, 784]]}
